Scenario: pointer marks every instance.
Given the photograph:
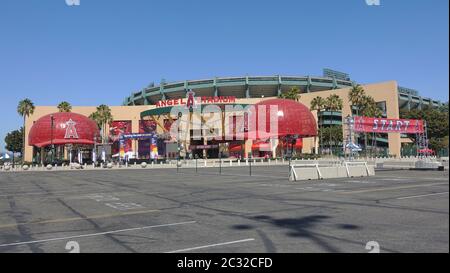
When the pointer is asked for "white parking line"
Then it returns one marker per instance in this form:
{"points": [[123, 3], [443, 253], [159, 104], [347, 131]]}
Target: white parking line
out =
{"points": [[213, 245], [96, 234], [423, 195]]}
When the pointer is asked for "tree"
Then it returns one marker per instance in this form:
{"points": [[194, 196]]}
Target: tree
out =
{"points": [[103, 118], [25, 109], [355, 97], [64, 107], [14, 140], [332, 135], [318, 104], [292, 94], [333, 103], [368, 108], [437, 125]]}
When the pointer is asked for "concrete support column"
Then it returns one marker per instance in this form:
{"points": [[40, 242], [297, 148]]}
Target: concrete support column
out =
{"points": [[275, 143], [134, 129], [248, 147]]}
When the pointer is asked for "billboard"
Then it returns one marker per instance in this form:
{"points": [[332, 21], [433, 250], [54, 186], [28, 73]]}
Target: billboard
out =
{"points": [[388, 125], [117, 129], [147, 147]]}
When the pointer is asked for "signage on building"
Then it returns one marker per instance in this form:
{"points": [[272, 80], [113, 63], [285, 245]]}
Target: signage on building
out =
{"points": [[71, 130], [388, 125], [203, 147], [191, 101]]}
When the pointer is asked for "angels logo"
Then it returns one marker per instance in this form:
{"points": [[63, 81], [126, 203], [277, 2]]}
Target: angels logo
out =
{"points": [[71, 131], [190, 100]]}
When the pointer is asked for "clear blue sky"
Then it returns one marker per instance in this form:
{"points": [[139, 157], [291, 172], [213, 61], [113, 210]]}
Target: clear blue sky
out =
{"points": [[101, 51]]}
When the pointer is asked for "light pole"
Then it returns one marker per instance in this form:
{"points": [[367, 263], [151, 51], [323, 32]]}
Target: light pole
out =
{"points": [[178, 141], [51, 138], [220, 161]]}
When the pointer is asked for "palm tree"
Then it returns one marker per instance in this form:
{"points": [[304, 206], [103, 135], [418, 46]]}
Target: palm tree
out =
{"points": [[64, 107], [333, 104], [25, 109], [292, 94], [318, 104], [369, 108], [356, 97], [103, 118]]}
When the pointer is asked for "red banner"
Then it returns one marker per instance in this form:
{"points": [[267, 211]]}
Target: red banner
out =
{"points": [[388, 125]]}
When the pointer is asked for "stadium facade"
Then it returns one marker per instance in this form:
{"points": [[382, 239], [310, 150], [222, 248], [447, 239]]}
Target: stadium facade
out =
{"points": [[149, 111]]}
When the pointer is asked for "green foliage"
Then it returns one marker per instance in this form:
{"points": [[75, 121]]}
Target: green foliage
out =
{"points": [[333, 103], [64, 107], [14, 141], [437, 125], [317, 104], [355, 96], [292, 94], [25, 108], [102, 117], [331, 135], [368, 107]]}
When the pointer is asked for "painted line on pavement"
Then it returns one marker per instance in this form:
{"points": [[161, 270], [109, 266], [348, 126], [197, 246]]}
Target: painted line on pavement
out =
{"points": [[95, 234], [62, 220], [392, 188], [423, 195], [213, 245]]}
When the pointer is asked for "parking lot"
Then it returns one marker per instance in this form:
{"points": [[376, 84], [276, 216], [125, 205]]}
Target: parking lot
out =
{"points": [[162, 210]]}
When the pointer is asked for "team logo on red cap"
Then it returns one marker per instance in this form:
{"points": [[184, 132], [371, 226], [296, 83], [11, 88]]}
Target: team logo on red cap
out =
{"points": [[71, 131], [190, 100]]}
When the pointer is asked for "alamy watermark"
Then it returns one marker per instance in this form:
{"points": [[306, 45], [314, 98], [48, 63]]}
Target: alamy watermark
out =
{"points": [[373, 2], [73, 2]]}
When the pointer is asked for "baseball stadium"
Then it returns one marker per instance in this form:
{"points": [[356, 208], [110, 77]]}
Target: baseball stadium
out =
{"points": [[139, 128]]}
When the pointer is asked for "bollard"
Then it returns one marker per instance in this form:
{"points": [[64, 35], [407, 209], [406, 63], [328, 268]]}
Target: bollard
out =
{"points": [[25, 167], [49, 167], [231, 163], [143, 165], [239, 162]]}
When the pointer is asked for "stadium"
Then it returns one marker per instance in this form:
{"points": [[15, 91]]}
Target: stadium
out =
{"points": [[147, 113]]}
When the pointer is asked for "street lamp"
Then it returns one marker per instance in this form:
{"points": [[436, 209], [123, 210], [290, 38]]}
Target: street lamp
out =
{"points": [[51, 138], [178, 140]]}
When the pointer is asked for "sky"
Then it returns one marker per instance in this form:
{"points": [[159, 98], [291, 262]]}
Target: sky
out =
{"points": [[103, 50]]}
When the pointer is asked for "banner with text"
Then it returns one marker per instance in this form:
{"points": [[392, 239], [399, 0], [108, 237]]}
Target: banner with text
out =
{"points": [[387, 125]]}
